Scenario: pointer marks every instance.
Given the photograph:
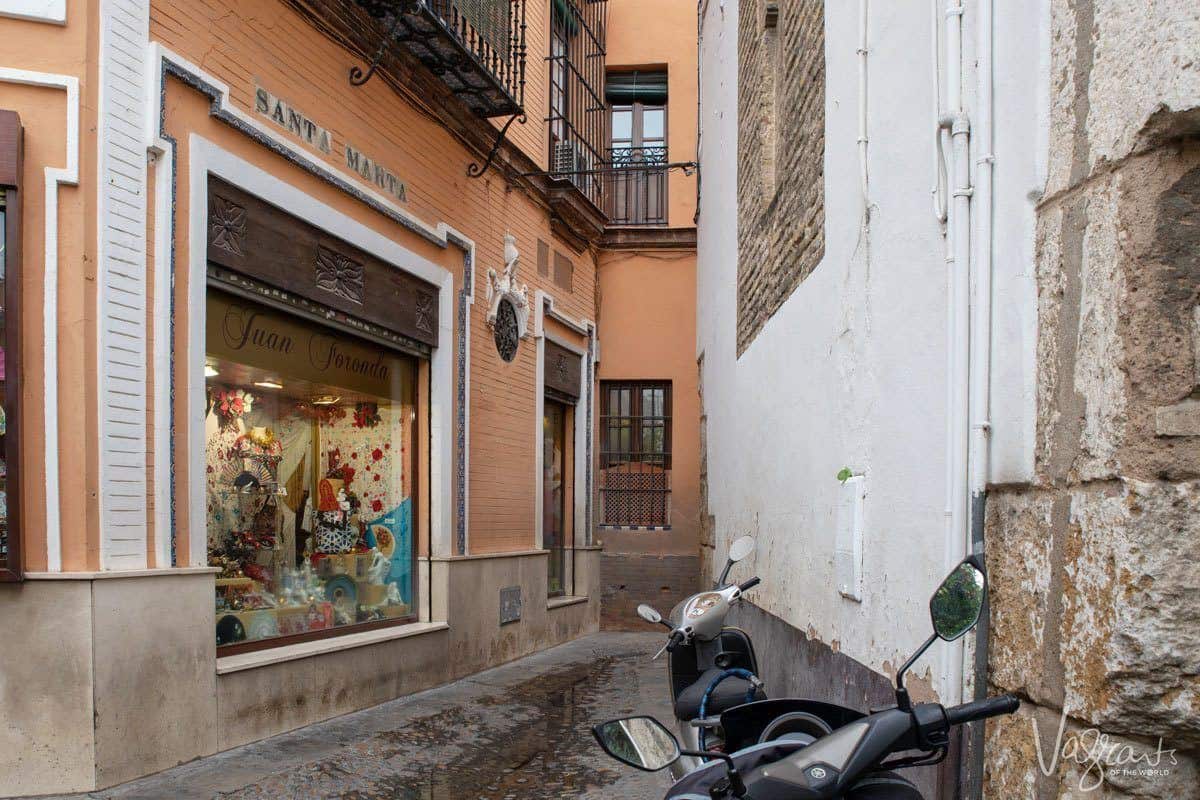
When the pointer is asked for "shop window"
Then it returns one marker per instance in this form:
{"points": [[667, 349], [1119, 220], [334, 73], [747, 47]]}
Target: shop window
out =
{"points": [[10, 390], [311, 455], [635, 453]]}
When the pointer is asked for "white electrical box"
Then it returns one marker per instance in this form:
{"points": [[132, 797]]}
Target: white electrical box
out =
{"points": [[848, 556]]}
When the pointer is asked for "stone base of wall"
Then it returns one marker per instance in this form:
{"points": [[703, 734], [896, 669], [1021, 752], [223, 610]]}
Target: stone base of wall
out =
{"points": [[109, 679], [629, 579], [793, 665]]}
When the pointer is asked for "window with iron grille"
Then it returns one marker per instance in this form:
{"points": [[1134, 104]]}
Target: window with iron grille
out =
{"points": [[635, 453], [577, 109]]}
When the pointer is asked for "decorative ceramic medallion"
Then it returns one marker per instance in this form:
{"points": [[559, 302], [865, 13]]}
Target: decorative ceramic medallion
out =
{"points": [[508, 302], [506, 331]]}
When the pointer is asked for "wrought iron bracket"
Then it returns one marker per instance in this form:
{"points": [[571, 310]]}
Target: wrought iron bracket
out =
{"points": [[474, 170], [357, 76]]}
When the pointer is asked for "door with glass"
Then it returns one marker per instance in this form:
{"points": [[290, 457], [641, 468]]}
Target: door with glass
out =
{"points": [[554, 434]]}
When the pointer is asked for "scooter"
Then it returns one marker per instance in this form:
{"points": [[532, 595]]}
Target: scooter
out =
{"points": [[853, 762], [712, 666]]}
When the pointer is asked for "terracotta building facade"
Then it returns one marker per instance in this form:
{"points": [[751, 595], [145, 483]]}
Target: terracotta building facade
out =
{"points": [[302, 347]]}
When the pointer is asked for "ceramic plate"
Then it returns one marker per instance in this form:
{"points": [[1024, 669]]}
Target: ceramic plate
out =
{"points": [[384, 539]]}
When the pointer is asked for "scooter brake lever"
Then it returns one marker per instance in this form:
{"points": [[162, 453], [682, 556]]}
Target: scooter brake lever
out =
{"points": [[660, 652]]}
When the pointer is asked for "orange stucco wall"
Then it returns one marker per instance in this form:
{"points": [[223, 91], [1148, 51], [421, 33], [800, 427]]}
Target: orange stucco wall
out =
{"points": [[664, 36], [648, 324], [265, 42], [62, 50]]}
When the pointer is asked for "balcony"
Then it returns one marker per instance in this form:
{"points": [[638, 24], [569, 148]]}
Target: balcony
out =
{"points": [[475, 47], [636, 186]]}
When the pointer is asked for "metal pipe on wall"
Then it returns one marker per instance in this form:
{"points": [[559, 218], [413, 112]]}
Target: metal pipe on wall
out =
{"points": [[958, 330], [981, 363], [862, 107]]}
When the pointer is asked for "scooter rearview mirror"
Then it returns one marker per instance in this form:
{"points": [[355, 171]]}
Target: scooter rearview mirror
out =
{"points": [[649, 614], [954, 609], [738, 550], [641, 742], [956, 605], [741, 548]]}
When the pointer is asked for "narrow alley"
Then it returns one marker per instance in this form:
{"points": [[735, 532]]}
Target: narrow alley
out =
{"points": [[517, 731]]}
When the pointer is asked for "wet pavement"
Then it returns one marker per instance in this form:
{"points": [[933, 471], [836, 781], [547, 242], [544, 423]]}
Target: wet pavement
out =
{"points": [[517, 732]]}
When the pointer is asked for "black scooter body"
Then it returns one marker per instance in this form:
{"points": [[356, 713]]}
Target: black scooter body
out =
{"points": [[688, 663], [744, 725]]}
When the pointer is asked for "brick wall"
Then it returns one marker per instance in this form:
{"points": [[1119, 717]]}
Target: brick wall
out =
{"points": [[781, 130], [628, 579]]}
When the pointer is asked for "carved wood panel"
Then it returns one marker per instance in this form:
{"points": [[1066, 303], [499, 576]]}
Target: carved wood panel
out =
{"points": [[252, 237], [563, 369]]}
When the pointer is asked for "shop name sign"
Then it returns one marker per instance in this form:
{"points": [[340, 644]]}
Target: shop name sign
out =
{"points": [[291, 120], [303, 127], [371, 170], [260, 338]]}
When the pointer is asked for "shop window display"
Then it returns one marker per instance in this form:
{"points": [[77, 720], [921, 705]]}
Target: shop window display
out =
{"points": [[310, 463]]}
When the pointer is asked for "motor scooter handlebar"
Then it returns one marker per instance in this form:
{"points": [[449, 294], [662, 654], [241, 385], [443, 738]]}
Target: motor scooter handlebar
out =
{"points": [[677, 638], [982, 709], [750, 584]]}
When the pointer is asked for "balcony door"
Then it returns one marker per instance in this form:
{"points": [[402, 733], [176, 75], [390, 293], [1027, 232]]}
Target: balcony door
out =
{"points": [[637, 148]]}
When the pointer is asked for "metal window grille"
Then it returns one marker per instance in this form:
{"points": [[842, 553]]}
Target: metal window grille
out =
{"points": [[635, 453], [577, 110]]}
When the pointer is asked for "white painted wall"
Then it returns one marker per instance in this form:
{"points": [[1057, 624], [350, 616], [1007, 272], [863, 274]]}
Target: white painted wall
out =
{"points": [[851, 371]]}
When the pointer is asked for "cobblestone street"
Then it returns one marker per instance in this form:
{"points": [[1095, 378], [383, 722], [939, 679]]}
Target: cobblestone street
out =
{"points": [[520, 731]]}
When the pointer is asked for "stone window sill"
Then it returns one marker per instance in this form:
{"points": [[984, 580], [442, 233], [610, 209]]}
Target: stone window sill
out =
{"points": [[566, 600], [291, 652]]}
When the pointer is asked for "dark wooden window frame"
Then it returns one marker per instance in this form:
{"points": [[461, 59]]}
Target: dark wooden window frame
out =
{"points": [[11, 166], [633, 162], [411, 328], [610, 457]]}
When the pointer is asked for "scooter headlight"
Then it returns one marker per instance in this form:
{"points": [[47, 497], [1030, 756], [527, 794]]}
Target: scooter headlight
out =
{"points": [[702, 605]]}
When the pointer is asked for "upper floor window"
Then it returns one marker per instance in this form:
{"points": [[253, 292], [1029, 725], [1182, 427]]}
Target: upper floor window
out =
{"points": [[577, 112], [637, 191]]}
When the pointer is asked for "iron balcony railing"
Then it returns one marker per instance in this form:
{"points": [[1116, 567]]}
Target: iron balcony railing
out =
{"points": [[476, 47], [636, 186]]}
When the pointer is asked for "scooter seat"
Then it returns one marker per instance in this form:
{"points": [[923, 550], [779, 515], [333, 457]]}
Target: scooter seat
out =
{"points": [[729, 693]]}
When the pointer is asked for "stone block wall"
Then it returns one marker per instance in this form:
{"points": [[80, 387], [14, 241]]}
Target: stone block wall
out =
{"points": [[781, 161], [1095, 617], [629, 579]]}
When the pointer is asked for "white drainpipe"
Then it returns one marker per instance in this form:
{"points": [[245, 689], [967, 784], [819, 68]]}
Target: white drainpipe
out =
{"points": [[981, 361], [959, 265], [862, 107]]}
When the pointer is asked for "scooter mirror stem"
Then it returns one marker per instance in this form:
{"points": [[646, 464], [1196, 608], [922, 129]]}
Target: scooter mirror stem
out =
{"points": [[736, 785], [903, 702]]}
